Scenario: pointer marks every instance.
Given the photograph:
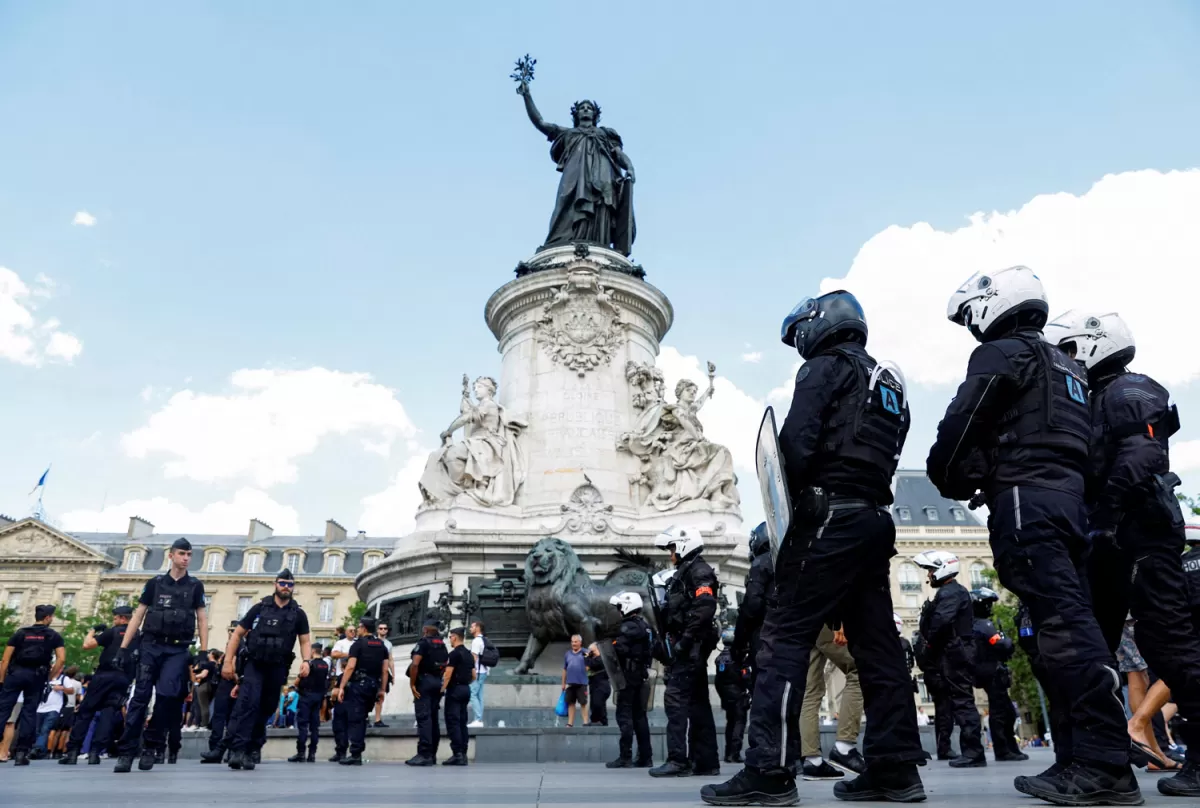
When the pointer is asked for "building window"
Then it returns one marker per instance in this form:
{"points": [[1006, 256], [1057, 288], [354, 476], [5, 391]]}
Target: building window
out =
{"points": [[910, 578], [243, 607], [121, 600], [911, 601], [372, 561], [905, 514], [68, 600], [334, 565], [326, 614], [931, 514], [133, 559], [254, 562], [213, 563], [14, 601], [977, 579], [293, 562], [959, 514]]}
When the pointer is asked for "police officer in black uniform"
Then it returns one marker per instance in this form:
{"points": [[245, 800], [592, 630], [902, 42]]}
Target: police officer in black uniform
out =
{"points": [[1137, 525], [730, 683], [992, 651], [429, 659], [691, 634], [222, 704], [271, 628], [1191, 569], [363, 683], [170, 614], [1018, 430], [633, 648], [33, 657], [311, 687], [840, 443], [106, 691], [599, 688], [910, 659], [948, 635], [456, 690]]}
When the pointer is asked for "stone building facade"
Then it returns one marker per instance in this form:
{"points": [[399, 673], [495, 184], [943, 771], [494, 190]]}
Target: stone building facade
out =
{"points": [[42, 564]]}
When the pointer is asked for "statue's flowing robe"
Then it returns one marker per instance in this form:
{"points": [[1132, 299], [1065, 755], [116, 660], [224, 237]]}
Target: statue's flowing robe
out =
{"points": [[594, 204]]}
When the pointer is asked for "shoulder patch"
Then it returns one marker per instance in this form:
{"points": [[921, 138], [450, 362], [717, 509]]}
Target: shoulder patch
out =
{"points": [[703, 590], [802, 374]]}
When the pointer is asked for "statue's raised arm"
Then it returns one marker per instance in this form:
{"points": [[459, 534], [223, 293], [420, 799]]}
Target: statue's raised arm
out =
{"points": [[535, 117]]}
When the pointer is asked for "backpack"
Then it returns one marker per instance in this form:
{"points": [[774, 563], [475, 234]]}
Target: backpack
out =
{"points": [[490, 657]]}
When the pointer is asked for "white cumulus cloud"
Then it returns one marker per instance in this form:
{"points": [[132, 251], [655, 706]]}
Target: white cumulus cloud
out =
{"points": [[231, 517], [753, 357], [1129, 244], [392, 511], [24, 338], [84, 219], [265, 423]]}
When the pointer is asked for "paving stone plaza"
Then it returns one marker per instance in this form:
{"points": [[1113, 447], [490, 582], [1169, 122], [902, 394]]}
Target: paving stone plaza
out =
{"points": [[499, 786]]}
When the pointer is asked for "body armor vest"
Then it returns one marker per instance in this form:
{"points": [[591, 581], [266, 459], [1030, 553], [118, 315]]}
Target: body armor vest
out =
{"points": [[433, 662], [1051, 411], [274, 632], [868, 426], [35, 648], [1106, 437], [318, 676], [1191, 569], [171, 615]]}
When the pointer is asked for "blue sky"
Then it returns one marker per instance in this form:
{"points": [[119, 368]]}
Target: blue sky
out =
{"points": [[316, 187]]}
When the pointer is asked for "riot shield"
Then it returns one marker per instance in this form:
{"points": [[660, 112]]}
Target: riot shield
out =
{"points": [[608, 655], [772, 479]]}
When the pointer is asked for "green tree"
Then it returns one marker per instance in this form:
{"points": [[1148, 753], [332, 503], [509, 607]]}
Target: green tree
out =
{"points": [[9, 623], [1024, 689], [356, 611]]}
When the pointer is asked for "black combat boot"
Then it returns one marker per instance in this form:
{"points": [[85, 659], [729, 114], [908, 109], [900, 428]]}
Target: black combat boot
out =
{"points": [[312, 756], [160, 756], [69, 758], [1184, 784], [418, 760], [173, 756], [899, 783], [213, 755], [21, 758], [620, 763], [124, 764], [256, 755], [753, 786], [298, 757], [457, 759], [1087, 784], [93, 758], [351, 760], [965, 762], [148, 759], [337, 757], [672, 769], [236, 760]]}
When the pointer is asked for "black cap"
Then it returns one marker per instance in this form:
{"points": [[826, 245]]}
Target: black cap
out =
{"points": [[181, 544], [367, 622], [433, 623], [122, 611], [43, 611], [285, 574]]}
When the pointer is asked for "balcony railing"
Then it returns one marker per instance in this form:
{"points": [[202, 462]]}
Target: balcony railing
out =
{"points": [[907, 586]]}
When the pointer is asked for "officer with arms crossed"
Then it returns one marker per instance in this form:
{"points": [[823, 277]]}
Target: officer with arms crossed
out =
{"points": [[1137, 526], [170, 614], [1018, 429], [33, 656], [271, 628], [633, 649], [311, 687], [692, 637], [841, 443], [948, 638], [456, 689], [992, 650], [106, 691], [363, 683]]}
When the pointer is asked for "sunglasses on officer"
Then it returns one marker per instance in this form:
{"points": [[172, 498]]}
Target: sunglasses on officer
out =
{"points": [[286, 584]]}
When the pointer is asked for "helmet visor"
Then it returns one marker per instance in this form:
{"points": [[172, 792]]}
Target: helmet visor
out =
{"points": [[804, 311]]}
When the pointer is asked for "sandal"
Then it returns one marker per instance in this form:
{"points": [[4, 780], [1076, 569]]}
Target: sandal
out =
{"points": [[1149, 759], [1174, 766]]}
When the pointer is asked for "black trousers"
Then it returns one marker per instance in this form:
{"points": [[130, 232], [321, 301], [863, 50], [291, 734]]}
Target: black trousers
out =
{"points": [[359, 699], [599, 691], [1002, 717], [1058, 706], [631, 718], [1040, 550], [308, 720], [958, 695], [258, 698], [1142, 575], [27, 681], [429, 733], [691, 728], [842, 565], [222, 708], [341, 737], [104, 696], [943, 710], [735, 723], [457, 699], [163, 674]]}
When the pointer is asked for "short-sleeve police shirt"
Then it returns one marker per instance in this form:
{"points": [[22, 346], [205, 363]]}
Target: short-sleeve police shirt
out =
{"points": [[54, 640], [463, 664], [370, 653]]}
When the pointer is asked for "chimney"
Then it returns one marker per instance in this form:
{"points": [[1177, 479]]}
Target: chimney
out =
{"points": [[259, 531], [334, 532], [362, 535], [139, 528]]}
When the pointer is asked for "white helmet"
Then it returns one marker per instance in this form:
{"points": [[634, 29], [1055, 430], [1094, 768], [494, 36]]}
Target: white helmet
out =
{"points": [[988, 297], [685, 540], [627, 602], [663, 577], [1096, 337], [899, 624], [943, 565]]}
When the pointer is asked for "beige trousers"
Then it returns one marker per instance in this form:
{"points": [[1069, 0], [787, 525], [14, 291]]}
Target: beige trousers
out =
{"points": [[850, 714]]}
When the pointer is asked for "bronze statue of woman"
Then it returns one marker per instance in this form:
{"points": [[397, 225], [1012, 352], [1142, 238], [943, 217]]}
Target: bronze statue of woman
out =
{"points": [[595, 200]]}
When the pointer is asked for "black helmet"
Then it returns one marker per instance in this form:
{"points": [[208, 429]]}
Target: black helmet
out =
{"points": [[814, 321], [760, 541], [982, 600]]}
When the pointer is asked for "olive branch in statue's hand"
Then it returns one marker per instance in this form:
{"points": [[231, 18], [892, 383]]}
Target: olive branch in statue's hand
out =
{"points": [[523, 74]]}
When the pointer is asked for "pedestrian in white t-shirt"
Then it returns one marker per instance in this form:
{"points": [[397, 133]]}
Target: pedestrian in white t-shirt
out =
{"points": [[481, 674], [62, 692]]}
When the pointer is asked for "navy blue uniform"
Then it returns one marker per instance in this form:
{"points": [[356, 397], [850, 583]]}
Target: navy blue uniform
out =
{"points": [[366, 683], [599, 691], [1018, 429], [691, 607], [28, 671], [105, 693], [992, 650], [434, 656], [730, 682], [845, 437], [222, 707], [1139, 530], [458, 694], [633, 647], [273, 631], [946, 626], [308, 712], [168, 628]]}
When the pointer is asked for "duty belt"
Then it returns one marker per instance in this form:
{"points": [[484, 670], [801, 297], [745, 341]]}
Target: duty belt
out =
{"points": [[160, 640], [840, 504], [362, 678]]}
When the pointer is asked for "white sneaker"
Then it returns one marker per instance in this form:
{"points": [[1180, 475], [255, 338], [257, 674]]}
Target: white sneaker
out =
{"points": [[475, 724]]}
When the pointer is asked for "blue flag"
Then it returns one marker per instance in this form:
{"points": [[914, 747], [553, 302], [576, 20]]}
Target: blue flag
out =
{"points": [[42, 480]]}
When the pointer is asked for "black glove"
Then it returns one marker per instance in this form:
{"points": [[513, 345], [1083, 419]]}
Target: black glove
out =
{"points": [[99, 628], [120, 658], [1102, 538]]}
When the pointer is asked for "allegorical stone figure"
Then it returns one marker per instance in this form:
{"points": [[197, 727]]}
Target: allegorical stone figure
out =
{"points": [[595, 200]]}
